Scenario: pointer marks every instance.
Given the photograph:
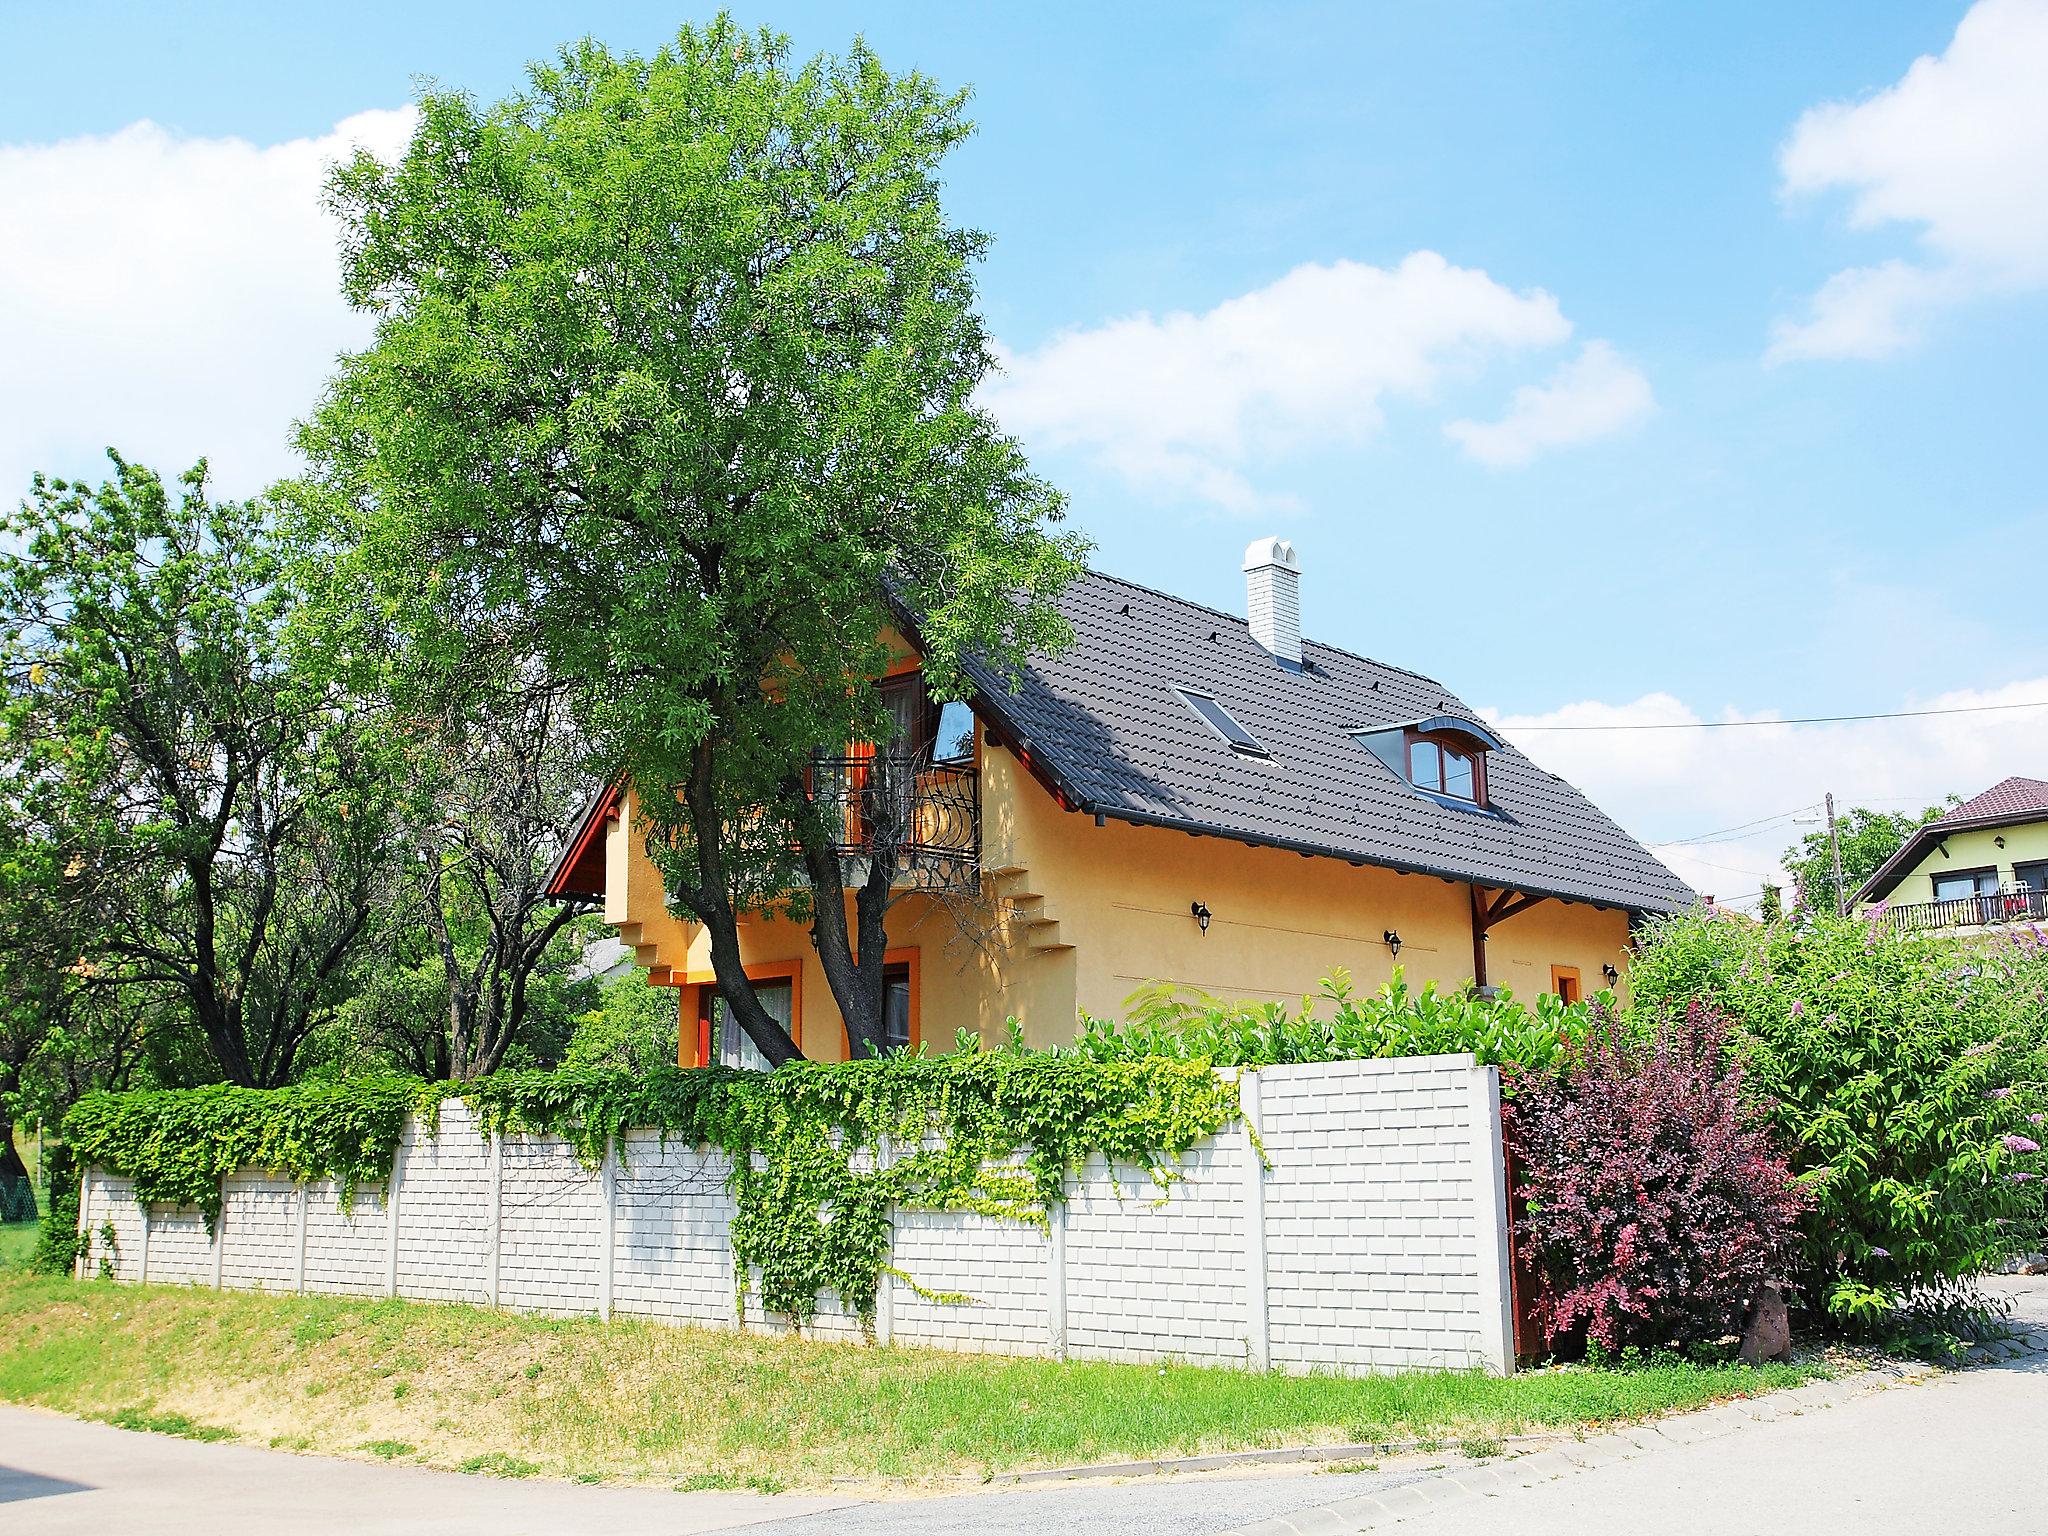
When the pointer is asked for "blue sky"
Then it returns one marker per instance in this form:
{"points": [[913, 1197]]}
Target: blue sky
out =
{"points": [[1690, 524]]}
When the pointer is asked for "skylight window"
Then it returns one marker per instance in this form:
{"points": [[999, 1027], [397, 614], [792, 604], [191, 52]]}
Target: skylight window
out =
{"points": [[1219, 720]]}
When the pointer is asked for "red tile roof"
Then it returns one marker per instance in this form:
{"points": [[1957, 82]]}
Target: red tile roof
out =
{"points": [[2009, 797], [2007, 801]]}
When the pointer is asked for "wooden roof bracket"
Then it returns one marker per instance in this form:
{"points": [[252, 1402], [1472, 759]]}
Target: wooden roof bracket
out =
{"points": [[1489, 912]]}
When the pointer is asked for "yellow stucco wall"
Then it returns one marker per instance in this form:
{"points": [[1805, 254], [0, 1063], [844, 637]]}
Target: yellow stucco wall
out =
{"points": [[1075, 916], [1971, 850]]}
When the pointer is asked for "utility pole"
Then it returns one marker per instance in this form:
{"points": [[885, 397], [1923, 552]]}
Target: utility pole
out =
{"points": [[1835, 852]]}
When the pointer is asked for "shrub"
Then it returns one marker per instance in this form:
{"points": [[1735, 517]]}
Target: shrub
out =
{"points": [[1653, 1201], [1189, 1024], [1901, 1072], [58, 1241]]}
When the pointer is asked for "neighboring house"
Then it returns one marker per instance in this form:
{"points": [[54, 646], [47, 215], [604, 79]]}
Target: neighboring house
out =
{"points": [[1182, 796], [1983, 866]]}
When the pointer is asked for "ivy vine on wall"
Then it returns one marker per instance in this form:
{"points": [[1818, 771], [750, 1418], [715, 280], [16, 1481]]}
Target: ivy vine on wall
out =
{"points": [[821, 1153]]}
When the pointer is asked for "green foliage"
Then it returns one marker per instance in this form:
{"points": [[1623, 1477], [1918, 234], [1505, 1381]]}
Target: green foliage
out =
{"points": [[178, 1144], [633, 1028], [59, 1243], [1187, 1024], [1867, 837], [820, 1152], [1905, 1075], [194, 829]]}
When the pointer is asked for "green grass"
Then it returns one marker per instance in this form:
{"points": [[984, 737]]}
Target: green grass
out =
{"points": [[641, 1402], [16, 1239], [167, 1424]]}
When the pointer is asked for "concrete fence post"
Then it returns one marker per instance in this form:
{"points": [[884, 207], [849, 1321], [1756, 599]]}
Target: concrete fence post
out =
{"points": [[885, 1288], [391, 1216], [496, 1232], [84, 1222], [1490, 1223], [1056, 1277], [220, 1236], [142, 1258], [305, 1205], [1258, 1338], [608, 1180]]}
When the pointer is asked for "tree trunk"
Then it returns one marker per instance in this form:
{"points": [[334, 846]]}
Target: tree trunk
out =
{"points": [[710, 903]]}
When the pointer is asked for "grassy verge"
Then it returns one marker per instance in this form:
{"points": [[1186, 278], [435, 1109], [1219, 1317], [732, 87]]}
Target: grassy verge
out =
{"points": [[16, 1239], [467, 1388]]}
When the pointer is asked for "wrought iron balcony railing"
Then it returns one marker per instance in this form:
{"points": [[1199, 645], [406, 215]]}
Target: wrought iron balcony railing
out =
{"points": [[1989, 910], [928, 812]]}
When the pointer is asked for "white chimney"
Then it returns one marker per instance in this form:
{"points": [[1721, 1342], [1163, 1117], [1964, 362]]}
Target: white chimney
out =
{"points": [[1272, 595]]}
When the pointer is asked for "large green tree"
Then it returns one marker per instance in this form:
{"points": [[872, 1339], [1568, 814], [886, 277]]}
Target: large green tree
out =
{"points": [[197, 831], [672, 398], [1867, 837]]}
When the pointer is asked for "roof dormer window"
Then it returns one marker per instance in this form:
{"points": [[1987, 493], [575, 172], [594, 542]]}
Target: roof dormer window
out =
{"points": [[1443, 756], [1443, 767]]}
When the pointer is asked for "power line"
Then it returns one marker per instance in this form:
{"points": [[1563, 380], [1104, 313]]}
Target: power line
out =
{"points": [[1726, 725], [1762, 821]]}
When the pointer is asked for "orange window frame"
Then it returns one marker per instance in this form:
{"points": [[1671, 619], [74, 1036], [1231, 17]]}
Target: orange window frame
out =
{"points": [[694, 1049], [1566, 975], [909, 960]]}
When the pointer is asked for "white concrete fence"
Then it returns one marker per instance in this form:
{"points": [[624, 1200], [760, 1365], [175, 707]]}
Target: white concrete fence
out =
{"points": [[1374, 1238]]}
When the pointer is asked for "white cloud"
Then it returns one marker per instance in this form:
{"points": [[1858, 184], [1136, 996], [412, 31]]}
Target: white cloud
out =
{"points": [[1595, 393], [171, 296], [1189, 404], [1680, 784], [1959, 147], [1863, 312]]}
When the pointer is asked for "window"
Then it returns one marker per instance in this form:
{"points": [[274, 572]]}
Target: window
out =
{"points": [[1218, 719], [2033, 876], [1959, 884], [1564, 981], [736, 1047], [955, 743], [1437, 765], [896, 1006]]}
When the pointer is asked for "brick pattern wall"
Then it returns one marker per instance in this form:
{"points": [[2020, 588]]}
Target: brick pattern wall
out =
{"points": [[444, 1210], [347, 1248], [1371, 1241], [1145, 1279], [260, 1220], [551, 1251], [1371, 1228]]}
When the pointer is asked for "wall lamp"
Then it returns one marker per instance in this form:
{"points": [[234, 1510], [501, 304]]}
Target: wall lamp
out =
{"points": [[1200, 914], [1393, 942], [2000, 840], [1610, 972]]}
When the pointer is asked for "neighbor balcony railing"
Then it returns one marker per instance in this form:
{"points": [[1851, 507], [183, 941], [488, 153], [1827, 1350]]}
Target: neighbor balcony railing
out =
{"points": [[1989, 910], [928, 811]]}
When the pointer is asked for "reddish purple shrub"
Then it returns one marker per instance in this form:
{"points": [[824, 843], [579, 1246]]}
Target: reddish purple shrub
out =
{"points": [[1653, 1205]]}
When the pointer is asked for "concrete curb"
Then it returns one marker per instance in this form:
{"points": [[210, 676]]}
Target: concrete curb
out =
{"points": [[1565, 1458]]}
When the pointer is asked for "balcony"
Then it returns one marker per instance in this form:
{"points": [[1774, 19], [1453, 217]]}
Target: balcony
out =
{"points": [[1995, 909], [929, 811]]}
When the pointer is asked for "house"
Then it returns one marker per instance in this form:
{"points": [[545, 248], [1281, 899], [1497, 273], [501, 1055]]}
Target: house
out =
{"points": [[1183, 795], [1980, 868]]}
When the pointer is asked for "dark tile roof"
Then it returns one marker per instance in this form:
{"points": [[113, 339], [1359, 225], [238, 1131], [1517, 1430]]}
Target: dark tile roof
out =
{"points": [[1103, 722], [2008, 801]]}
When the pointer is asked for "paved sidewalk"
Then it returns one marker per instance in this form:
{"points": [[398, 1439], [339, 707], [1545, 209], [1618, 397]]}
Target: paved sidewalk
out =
{"points": [[63, 1477], [1900, 1451]]}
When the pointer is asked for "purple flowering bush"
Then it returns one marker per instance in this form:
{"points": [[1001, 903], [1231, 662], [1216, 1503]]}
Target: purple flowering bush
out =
{"points": [[1903, 1074], [1651, 1197]]}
